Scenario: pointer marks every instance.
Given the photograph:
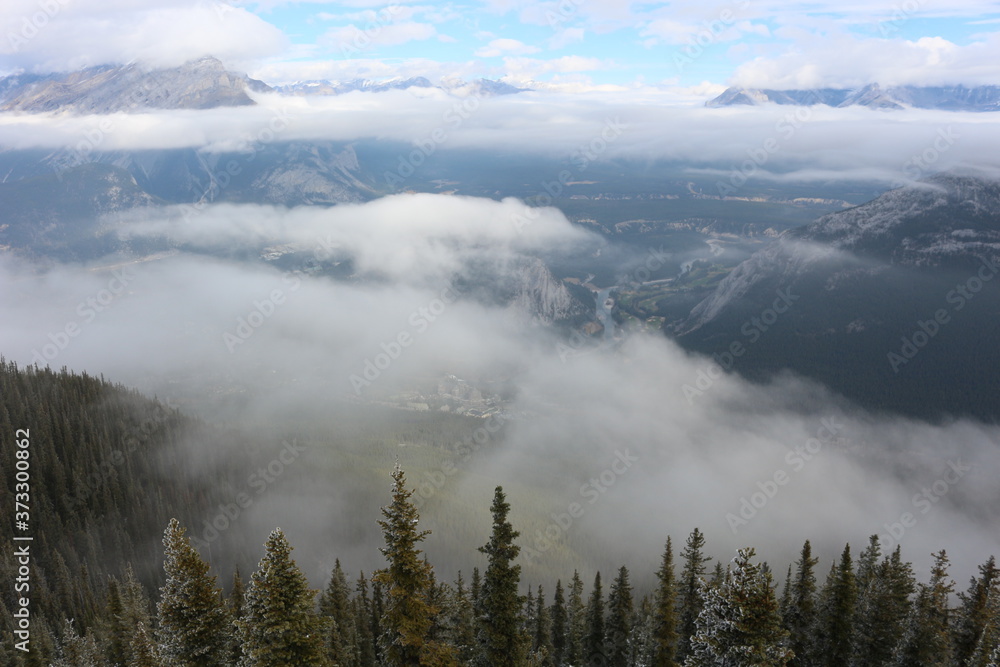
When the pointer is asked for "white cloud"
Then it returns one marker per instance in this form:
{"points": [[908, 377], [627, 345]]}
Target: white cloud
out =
{"points": [[694, 462], [152, 31], [659, 123], [844, 61], [499, 47], [534, 67], [288, 71], [565, 37], [353, 38]]}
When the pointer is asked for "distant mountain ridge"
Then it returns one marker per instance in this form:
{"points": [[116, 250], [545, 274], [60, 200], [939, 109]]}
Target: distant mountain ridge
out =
{"points": [[943, 98], [484, 87], [893, 303], [204, 83], [200, 84]]}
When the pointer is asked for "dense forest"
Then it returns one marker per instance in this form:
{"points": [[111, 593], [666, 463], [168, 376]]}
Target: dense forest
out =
{"points": [[104, 484]]}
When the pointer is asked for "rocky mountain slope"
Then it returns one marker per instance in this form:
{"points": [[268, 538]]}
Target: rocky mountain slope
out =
{"points": [[852, 300], [945, 98], [65, 215], [200, 84]]}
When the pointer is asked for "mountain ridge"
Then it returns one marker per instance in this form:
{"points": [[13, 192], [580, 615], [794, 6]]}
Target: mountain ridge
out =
{"points": [[204, 83], [858, 284], [873, 95]]}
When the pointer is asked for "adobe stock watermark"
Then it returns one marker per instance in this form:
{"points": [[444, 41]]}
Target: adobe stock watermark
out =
{"points": [[564, 11], [900, 14], [752, 330], [577, 343], [262, 311], [926, 330], [221, 178], [595, 488], [224, 7], [257, 483], [419, 321], [709, 34], [35, 23], [362, 38], [923, 502], [433, 481], [919, 164], [87, 310], [408, 163], [94, 137], [581, 159], [785, 129], [796, 459]]}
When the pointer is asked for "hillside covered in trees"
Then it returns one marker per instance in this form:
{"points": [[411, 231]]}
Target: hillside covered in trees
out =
{"points": [[107, 590]]}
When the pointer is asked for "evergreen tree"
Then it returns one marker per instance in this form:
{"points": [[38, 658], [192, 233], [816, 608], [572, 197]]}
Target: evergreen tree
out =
{"points": [[800, 615], [280, 626], [559, 625], [504, 644], [237, 596], [463, 621], [118, 632], [835, 617], [407, 580], [142, 649], [869, 607], [644, 645], [739, 623], [785, 604], [927, 641], [475, 592], [542, 633], [594, 643], [375, 620], [694, 559], [131, 610], [335, 608], [974, 612], [193, 623], [362, 605], [76, 651], [619, 624], [882, 608], [440, 598], [988, 645], [528, 619], [576, 624], [665, 612], [237, 599]]}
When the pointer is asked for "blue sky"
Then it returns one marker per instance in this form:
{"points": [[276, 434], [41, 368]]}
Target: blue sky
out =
{"points": [[572, 45]]}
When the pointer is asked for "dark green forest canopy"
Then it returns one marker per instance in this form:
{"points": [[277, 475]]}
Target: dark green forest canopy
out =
{"points": [[109, 587]]}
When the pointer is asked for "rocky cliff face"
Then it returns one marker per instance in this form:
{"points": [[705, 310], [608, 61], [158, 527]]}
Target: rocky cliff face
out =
{"points": [[539, 296], [201, 84]]}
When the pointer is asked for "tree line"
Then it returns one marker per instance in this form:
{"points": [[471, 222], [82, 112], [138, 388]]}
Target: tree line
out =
{"points": [[869, 610]]}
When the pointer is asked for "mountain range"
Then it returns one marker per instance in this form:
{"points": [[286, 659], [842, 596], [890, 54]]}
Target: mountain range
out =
{"points": [[204, 83], [944, 98], [482, 87], [890, 303], [200, 84]]}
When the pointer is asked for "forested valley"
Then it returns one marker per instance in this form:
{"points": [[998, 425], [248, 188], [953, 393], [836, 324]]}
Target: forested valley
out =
{"points": [[104, 592]]}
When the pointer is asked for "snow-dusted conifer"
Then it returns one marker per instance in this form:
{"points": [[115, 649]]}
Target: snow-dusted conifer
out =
{"points": [[193, 622]]}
